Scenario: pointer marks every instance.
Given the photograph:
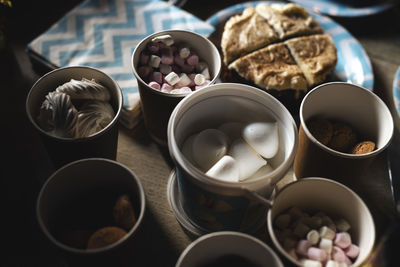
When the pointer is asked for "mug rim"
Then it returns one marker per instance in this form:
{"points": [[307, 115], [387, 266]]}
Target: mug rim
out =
{"points": [[81, 139], [112, 246], [146, 39], [209, 236], [182, 162], [335, 152]]}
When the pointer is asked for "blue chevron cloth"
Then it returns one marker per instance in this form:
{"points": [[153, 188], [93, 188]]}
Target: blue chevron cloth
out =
{"points": [[103, 34]]}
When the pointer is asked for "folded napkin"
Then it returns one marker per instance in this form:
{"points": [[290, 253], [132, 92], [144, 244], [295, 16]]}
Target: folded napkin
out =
{"points": [[103, 34]]}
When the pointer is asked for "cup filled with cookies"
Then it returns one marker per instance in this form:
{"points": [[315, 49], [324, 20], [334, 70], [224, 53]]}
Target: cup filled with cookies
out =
{"points": [[90, 210], [169, 65], [343, 128]]}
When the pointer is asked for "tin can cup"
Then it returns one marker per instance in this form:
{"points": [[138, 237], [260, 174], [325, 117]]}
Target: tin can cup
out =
{"points": [[359, 108], [80, 184], [157, 106], [61, 150], [232, 246], [217, 205], [316, 194]]}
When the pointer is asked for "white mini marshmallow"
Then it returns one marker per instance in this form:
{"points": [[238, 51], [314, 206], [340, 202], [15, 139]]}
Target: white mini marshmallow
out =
{"points": [[154, 61], [342, 225], [199, 79], [184, 80], [247, 158], [172, 78], [326, 244], [208, 147], [184, 52], [225, 169], [206, 73], [326, 232], [166, 39], [165, 69], [331, 263], [310, 263], [263, 137], [201, 66], [313, 237]]}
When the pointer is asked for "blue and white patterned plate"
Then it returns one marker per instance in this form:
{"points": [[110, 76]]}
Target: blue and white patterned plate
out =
{"points": [[345, 8], [353, 63], [396, 91]]}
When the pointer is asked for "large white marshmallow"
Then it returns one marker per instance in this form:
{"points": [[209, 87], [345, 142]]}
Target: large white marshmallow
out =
{"points": [[208, 147], [249, 161], [263, 137], [226, 169], [187, 148]]}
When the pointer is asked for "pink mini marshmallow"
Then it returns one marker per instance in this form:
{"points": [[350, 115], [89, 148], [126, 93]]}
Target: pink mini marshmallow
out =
{"points": [[302, 247], [191, 76], [186, 68], [193, 60], [166, 88], [338, 255], [185, 90], [317, 254], [179, 61], [342, 240], [157, 77], [154, 85], [167, 60], [352, 251]]}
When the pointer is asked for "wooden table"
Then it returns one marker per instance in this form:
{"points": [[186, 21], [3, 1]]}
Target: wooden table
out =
{"points": [[162, 239]]}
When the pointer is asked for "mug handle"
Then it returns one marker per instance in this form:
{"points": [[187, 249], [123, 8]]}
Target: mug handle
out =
{"points": [[257, 197]]}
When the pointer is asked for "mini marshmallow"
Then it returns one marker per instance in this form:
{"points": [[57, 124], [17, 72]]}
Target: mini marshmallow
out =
{"points": [[165, 69], [157, 77], [199, 79], [175, 91], [172, 78], [310, 263], [225, 169], [352, 251], [201, 66], [302, 247], [338, 254], [154, 61], [282, 221], [166, 39], [342, 225], [289, 243], [342, 240], [154, 85], [301, 230], [191, 76], [185, 90], [317, 254], [186, 68], [153, 47], [343, 264], [176, 68], [179, 61], [184, 52], [166, 88], [313, 237], [331, 263], [184, 80], [295, 212], [167, 59], [144, 58], [326, 232], [292, 253], [315, 222], [206, 73], [326, 244], [198, 87], [282, 235], [192, 60], [327, 221], [144, 71]]}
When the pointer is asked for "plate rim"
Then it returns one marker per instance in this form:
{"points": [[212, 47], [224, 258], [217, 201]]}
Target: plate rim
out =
{"points": [[367, 70]]}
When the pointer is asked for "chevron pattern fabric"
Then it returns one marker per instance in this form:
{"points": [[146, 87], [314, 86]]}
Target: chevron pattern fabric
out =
{"points": [[103, 34]]}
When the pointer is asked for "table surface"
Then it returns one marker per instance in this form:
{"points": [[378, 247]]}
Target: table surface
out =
{"points": [[27, 165]]}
